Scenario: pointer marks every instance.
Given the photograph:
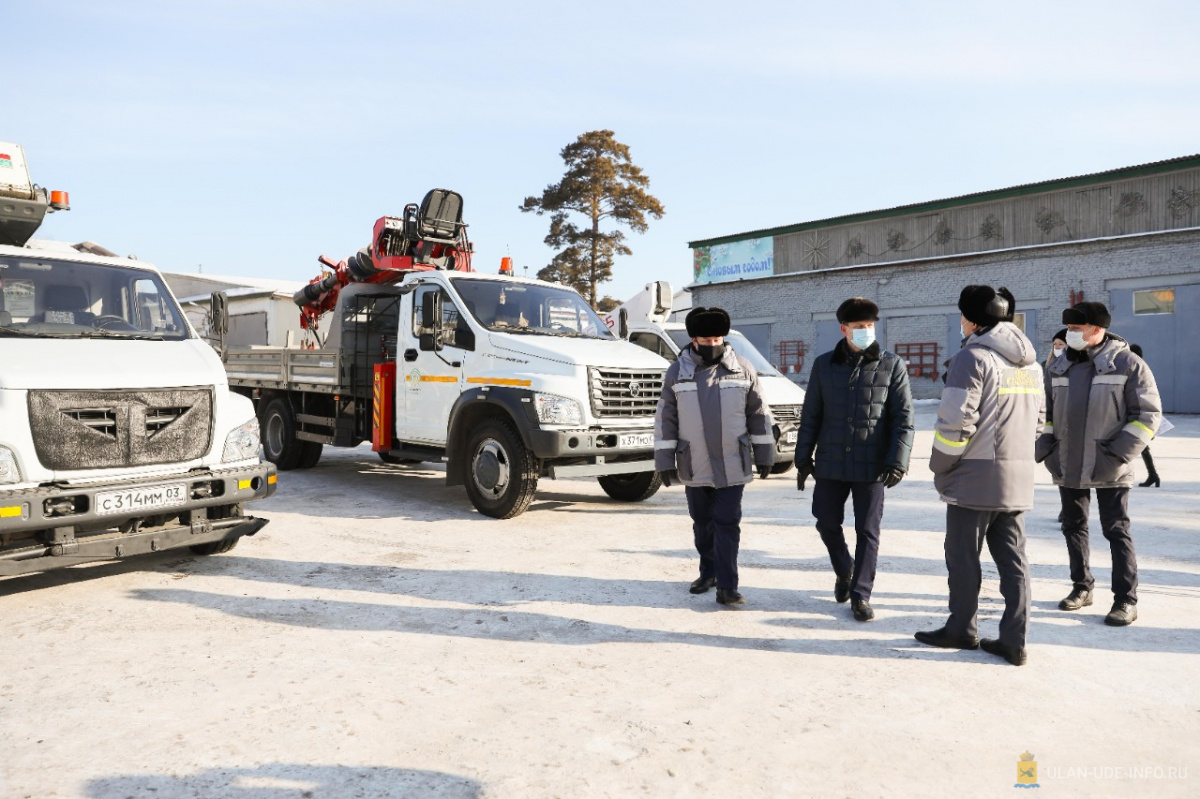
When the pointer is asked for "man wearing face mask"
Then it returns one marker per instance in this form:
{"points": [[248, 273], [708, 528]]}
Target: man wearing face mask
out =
{"points": [[1103, 409], [712, 431], [991, 412], [858, 416]]}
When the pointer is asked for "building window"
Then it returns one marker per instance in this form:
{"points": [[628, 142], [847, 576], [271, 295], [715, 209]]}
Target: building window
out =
{"points": [[1019, 321], [1154, 301]]}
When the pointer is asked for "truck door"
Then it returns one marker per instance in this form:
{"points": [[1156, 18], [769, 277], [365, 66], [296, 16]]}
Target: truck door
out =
{"points": [[430, 380]]}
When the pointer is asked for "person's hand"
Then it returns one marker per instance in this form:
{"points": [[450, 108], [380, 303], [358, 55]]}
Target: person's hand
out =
{"points": [[669, 477], [764, 472], [892, 477], [803, 472]]}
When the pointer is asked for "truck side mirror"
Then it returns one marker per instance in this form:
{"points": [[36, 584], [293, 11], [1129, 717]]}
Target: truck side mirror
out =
{"points": [[219, 313], [623, 324], [431, 337]]}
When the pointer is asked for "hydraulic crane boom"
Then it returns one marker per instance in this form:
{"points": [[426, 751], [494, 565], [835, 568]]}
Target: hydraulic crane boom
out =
{"points": [[429, 236]]}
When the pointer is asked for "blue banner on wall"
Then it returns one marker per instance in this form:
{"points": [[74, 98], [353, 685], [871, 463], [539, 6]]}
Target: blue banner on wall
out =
{"points": [[739, 260]]}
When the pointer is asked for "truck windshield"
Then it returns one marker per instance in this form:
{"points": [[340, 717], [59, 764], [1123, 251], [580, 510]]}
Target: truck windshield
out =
{"points": [[47, 298], [741, 345], [512, 307]]}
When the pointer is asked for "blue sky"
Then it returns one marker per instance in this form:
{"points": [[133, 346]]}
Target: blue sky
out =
{"points": [[251, 137]]}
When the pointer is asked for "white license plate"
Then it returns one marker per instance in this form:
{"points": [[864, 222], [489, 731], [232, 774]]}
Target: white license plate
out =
{"points": [[791, 436], [630, 440], [139, 499]]}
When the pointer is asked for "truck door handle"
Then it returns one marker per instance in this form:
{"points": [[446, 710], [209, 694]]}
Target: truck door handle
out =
{"points": [[410, 355]]}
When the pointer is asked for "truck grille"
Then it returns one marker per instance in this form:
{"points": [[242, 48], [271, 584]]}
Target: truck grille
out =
{"points": [[624, 392], [106, 429], [785, 413]]}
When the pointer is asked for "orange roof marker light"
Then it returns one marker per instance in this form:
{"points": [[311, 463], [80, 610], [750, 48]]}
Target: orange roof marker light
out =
{"points": [[506, 266], [60, 201]]}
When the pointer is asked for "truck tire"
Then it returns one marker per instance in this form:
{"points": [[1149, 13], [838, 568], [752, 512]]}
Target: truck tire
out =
{"points": [[214, 547], [280, 444], [502, 475], [781, 468], [633, 487], [310, 453]]}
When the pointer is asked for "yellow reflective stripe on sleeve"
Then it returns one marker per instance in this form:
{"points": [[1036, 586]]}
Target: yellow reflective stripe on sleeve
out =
{"points": [[941, 438], [498, 381], [1140, 430]]}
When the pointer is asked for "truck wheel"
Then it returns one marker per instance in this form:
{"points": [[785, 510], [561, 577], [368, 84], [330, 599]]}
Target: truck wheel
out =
{"points": [[631, 487], [387, 457], [502, 474], [782, 468], [280, 444], [214, 547], [310, 453]]}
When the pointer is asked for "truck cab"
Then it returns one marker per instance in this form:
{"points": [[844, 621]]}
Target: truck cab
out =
{"points": [[118, 431]]}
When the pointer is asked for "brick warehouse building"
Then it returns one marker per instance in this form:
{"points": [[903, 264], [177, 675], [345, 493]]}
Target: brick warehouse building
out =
{"points": [[1127, 237]]}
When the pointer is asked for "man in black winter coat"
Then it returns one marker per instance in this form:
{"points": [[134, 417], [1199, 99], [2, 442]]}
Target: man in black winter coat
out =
{"points": [[858, 415]]}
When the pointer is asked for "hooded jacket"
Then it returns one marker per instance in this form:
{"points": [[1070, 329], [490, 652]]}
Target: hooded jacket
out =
{"points": [[858, 415], [712, 424], [1103, 408], [989, 419]]}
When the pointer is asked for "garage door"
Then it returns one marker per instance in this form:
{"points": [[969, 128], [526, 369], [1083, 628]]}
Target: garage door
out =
{"points": [[1158, 320]]}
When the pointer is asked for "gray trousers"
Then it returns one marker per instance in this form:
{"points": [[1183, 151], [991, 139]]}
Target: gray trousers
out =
{"points": [[1004, 531]]}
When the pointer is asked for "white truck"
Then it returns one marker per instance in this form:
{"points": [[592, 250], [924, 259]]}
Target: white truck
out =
{"points": [[643, 320], [119, 434], [504, 379]]}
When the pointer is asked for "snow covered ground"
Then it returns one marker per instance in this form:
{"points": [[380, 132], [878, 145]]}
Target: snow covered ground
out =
{"points": [[380, 638]]}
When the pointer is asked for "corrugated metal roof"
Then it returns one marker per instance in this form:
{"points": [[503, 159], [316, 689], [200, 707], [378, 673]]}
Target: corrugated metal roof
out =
{"points": [[1155, 167]]}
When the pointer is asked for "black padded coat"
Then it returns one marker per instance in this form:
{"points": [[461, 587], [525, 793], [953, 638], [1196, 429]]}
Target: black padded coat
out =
{"points": [[858, 415]]}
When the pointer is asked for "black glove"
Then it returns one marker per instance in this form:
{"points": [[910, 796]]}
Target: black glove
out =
{"points": [[803, 472], [764, 472], [892, 477], [669, 477]]}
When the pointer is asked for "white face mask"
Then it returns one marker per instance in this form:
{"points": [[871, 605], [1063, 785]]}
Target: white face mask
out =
{"points": [[1058, 351], [863, 337], [1075, 340]]}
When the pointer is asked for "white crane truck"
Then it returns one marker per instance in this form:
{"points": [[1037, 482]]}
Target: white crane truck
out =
{"points": [[118, 432], [504, 379], [643, 320]]}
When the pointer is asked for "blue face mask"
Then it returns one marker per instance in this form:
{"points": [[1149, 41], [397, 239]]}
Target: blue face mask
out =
{"points": [[862, 337]]}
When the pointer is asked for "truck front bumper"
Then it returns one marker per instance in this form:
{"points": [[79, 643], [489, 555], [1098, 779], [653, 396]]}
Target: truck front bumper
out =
{"points": [[591, 453], [63, 525]]}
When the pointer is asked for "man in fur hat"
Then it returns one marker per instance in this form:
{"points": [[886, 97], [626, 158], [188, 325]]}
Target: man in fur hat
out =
{"points": [[991, 413], [712, 430], [1103, 406], [858, 416]]}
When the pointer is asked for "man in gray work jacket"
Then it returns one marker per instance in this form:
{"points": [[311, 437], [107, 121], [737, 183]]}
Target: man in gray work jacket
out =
{"points": [[710, 431], [1103, 408], [858, 417], [990, 416]]}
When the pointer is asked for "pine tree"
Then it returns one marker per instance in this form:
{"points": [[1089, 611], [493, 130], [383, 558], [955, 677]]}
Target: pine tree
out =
{"points": [[601, 182]]}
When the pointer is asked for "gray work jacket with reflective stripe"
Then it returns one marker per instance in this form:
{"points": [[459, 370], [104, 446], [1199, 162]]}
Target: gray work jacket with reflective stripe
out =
{"points": [[712, 424], [989, 419], [1102, 411]]}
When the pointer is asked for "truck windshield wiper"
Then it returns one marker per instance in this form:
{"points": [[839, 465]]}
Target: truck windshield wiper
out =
{"points": [[14, 331], [127, 336]]}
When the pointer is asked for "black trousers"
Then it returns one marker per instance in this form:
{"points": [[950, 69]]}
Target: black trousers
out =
{"points": [[1004, 531], [1114, 521], [829, 508], [716, 526]]}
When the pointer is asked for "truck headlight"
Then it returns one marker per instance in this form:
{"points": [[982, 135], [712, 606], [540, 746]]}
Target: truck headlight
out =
{"points": [[242, 443], [552, 409], [9, 471]]}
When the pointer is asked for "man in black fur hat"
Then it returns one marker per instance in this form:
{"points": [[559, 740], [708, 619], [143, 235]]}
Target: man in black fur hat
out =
{"points": [[712, 431], [989, 417], [858, 416], [1103, 408]]}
